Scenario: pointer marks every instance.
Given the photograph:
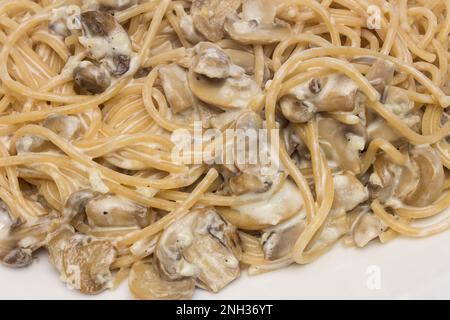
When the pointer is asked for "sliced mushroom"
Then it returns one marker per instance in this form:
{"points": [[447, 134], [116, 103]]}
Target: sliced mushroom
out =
{"points": [[107, 41], [201, 245], [114, 211], [214, 79], [114, 5], [257, 32], [226, 94], [145, 282], [5, 220], [57, 241], [432, 176], [381, 74], [342, 143], [270, 208], [31, 143], [90, 78], [278, 241], [246, 182], [187, 26], [398, 102], [84, 262], [379, 128], [208, 16], [64, 20], [263, 11], [175, 85], [366, 228], [243, 59], [67, 127], [297, 111], [348, 192], [76, 203], [333, 93], [18, 258], [418, 183], [214, 63]]}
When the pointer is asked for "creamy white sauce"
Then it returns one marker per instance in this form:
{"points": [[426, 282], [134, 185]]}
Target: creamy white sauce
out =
{"points": [[282, 204]]}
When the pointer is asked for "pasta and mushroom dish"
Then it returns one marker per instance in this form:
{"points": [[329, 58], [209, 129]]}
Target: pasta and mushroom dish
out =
{"points": [[348, 99]]}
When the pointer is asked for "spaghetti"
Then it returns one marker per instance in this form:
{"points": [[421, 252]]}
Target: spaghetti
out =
{"points": [[95, 96]]}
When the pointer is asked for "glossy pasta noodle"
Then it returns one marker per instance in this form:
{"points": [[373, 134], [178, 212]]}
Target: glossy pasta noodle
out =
{"points": [[92, 93]]}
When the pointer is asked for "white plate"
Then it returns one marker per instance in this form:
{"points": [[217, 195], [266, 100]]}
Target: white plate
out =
{"points": [[401, 269]]}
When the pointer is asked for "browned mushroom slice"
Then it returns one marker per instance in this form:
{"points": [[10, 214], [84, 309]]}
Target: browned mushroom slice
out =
{"points": [[278, 241], [90, 78], [67, 127], [84, 262], [145, 282], [174, 82], [255, 32], [87, 262], [201, 245], [342, 143], [209, 16], [18, 258], [114, 211], [106, 41], [381, 74]]}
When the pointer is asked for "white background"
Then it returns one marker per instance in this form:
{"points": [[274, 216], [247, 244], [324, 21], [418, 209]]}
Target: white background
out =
{"points": [[409, 268]]}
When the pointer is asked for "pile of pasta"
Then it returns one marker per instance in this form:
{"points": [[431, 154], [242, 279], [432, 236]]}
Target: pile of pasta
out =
{"points": [[91, 92]]}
